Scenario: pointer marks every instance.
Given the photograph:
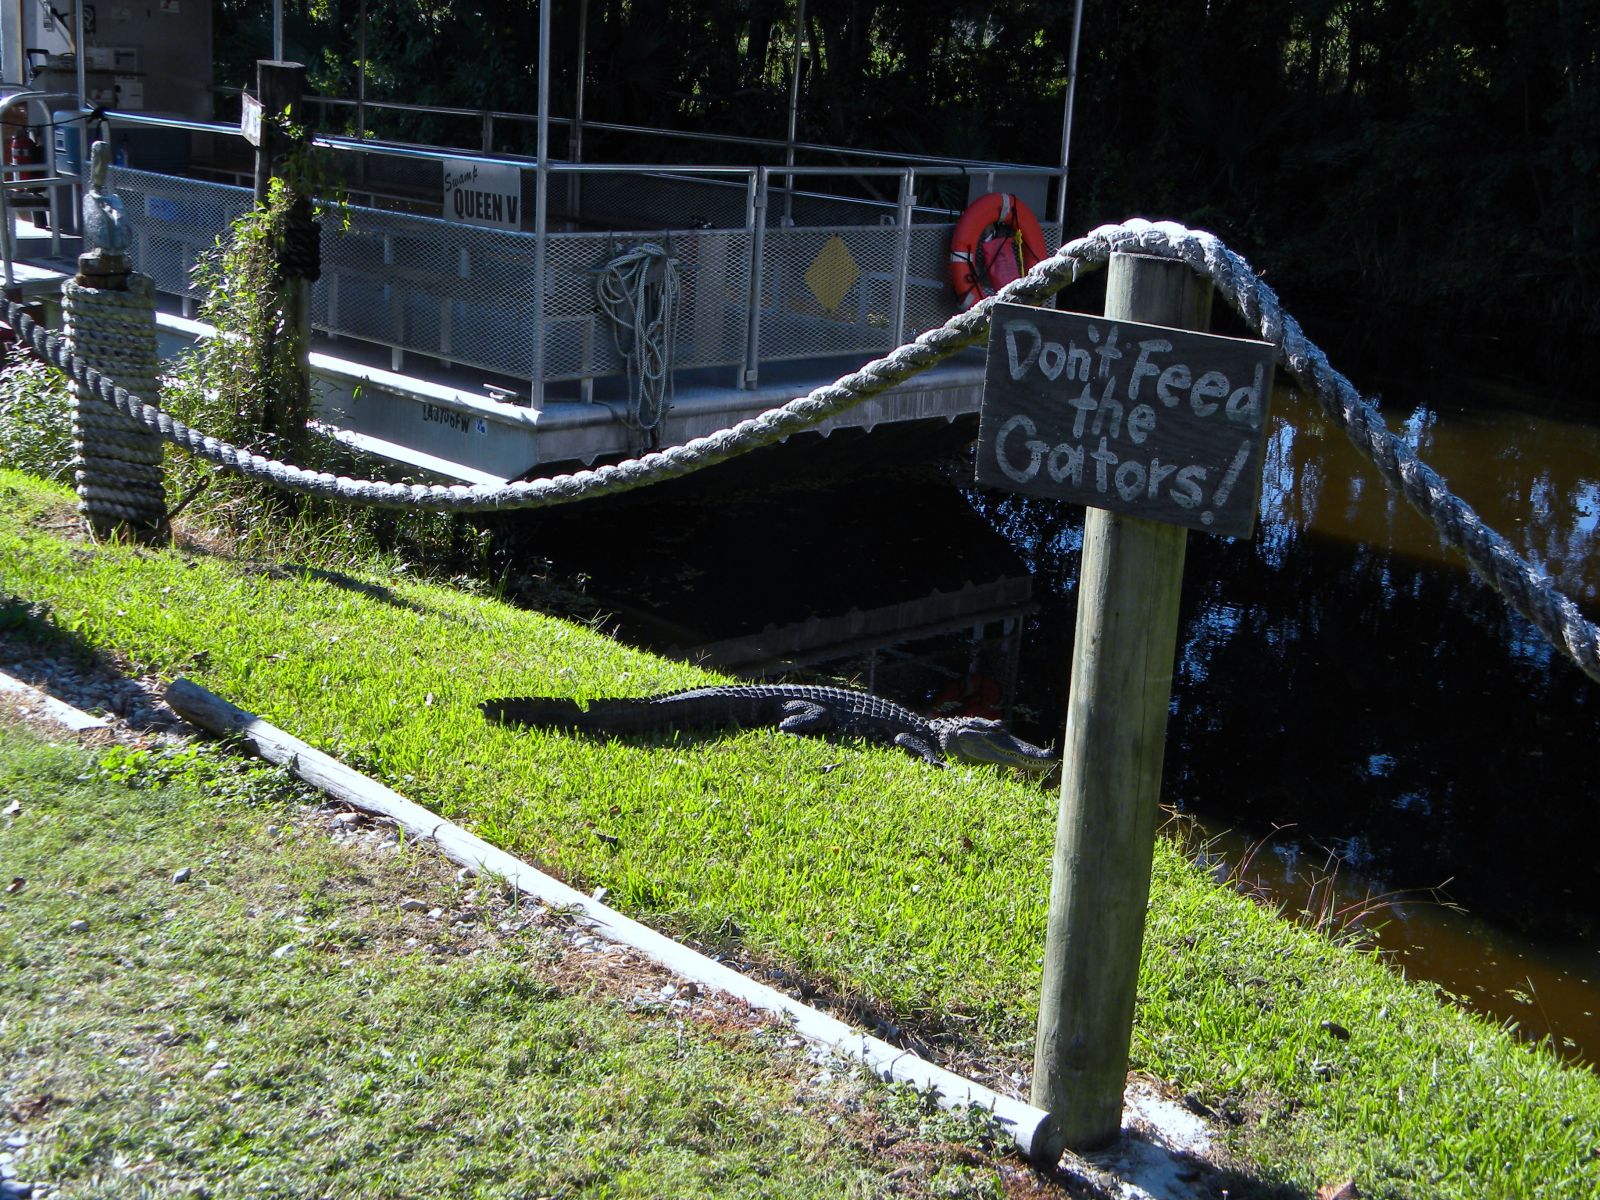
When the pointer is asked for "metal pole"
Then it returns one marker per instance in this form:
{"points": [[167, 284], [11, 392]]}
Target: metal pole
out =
{"points": [[575, 147], [902, 255], [575, 142], [794, 112], [361, 76], [83, 86], [758, 266], [361, 92], [7, 252], [541, 207], [1066, 118], [277, 30]]}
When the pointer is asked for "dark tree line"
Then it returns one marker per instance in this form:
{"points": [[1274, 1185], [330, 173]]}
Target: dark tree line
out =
{"points": [[1412, 174]]}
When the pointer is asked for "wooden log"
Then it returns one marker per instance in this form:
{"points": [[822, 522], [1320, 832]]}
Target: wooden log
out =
{"points": [[1116, 732], [210, 711]]}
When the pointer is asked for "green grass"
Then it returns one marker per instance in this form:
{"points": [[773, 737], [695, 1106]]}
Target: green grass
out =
{"points": [[922, 893], [171, 1043]]}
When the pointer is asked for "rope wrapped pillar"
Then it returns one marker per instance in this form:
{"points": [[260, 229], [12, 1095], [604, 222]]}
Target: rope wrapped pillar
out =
{"points": [[116, 460], [111, 326]]}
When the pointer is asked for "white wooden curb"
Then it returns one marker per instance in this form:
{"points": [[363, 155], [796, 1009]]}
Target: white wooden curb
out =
{"points": [[63, 714]]}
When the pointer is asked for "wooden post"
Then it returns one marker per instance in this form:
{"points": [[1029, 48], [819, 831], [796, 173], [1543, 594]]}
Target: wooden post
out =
{"points": [[1116, 731], [280, 87]]}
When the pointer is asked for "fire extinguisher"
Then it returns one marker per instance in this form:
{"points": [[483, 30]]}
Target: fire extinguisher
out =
{"points": [[23, 149]]}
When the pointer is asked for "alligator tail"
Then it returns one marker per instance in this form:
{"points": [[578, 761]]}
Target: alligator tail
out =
{"points": [[542, 712], [601, 716]]}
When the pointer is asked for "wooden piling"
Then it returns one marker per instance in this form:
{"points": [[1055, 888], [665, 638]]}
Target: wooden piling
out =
{"points": [[280, 87], [1116, 732]]}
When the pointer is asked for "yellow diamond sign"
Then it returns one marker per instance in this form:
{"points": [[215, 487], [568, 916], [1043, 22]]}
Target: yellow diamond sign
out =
{"points": [[832, 273]]}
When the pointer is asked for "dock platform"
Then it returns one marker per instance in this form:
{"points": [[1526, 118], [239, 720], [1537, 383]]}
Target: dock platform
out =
{"points": [[436, 345]]}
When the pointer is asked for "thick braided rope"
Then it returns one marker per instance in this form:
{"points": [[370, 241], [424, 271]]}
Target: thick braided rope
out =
{"points": [[764, 429], [1525, 588], [116, 459]]}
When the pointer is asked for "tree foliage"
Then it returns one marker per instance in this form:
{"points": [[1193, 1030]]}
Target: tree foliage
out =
{"points": [[1382, 159]]}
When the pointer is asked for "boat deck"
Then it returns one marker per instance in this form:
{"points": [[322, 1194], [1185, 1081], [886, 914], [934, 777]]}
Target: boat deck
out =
{"points": [[434, 348]]}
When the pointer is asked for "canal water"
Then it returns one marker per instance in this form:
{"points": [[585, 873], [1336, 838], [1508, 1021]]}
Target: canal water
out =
{"points": [[1359, 725]]}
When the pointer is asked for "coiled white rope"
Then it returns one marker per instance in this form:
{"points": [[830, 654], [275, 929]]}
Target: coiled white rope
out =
{"points": [[1527, 590], [640, 295]]}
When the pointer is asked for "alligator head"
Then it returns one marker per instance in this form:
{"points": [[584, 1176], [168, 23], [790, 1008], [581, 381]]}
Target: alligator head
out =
{"points": [[976, 740]]}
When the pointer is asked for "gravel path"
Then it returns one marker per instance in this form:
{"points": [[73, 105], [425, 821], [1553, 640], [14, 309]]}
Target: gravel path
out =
{"points": [[95, 687]]}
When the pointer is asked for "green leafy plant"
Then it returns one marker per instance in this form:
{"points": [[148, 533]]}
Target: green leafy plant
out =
{"points": [[145, 767], [35, 417], [247, 386], [244, 385]]}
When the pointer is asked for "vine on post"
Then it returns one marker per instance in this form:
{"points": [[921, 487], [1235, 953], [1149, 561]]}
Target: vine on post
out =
{"points": [[249, 385], [254, 370]]}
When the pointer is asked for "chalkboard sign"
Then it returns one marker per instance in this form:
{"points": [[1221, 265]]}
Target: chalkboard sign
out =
{"points": [[1153, 422]]}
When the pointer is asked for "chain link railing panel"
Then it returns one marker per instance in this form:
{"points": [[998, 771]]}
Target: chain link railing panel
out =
{"points": [[175, 221], [464, 294], [455, 292], [714, 272], [577, 343], [827, 291], [930, 301]]}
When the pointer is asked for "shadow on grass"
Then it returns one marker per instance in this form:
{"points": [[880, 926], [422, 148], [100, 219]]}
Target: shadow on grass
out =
{"points": [[29, 625], [338, 579]]}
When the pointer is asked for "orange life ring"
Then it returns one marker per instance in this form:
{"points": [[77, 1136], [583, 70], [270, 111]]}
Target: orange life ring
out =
{"points": [[997, 239]]}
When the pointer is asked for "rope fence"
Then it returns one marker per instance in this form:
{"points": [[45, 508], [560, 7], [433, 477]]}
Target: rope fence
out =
{"points": [[1523, 586]]}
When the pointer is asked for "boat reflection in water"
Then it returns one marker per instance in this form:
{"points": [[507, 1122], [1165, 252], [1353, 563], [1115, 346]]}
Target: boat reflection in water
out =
{"points": [[851, 559]]}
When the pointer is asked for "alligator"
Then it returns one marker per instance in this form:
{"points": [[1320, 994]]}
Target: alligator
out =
{"points": [[796, 708]]}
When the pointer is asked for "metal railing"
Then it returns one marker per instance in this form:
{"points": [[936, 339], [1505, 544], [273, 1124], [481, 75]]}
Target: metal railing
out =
{"points": [[486, 119], [773, 268], [42, 186]]}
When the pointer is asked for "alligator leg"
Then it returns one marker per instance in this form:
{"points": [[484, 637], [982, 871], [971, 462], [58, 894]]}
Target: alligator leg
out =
{"points": [[803, 717], [923, 749]]}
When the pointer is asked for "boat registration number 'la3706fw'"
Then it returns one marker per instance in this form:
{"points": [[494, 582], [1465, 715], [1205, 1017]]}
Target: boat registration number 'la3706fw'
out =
{"points": [[1153, 422]]}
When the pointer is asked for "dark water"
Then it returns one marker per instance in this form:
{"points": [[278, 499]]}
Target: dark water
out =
{"points": [[1350, 703]]}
